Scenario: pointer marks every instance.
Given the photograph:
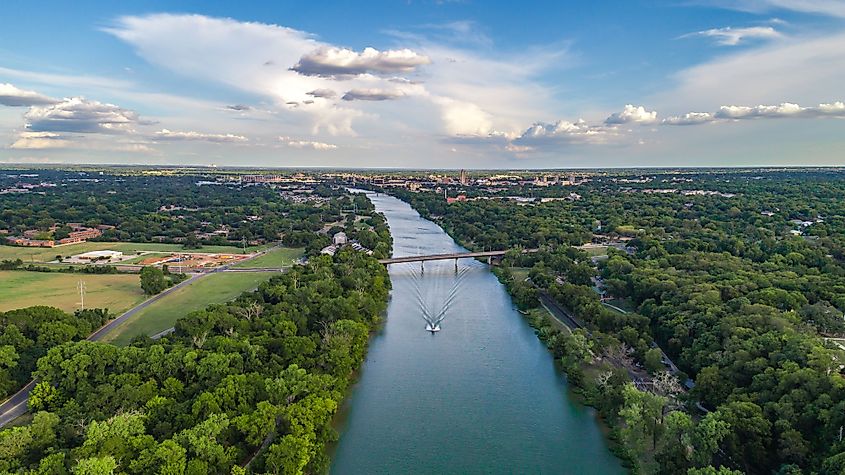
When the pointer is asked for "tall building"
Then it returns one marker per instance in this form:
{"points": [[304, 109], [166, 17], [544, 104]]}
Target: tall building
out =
{"points": [[464, 178]]}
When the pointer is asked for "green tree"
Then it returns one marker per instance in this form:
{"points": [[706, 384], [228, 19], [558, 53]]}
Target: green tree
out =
{"points": [[153, 280]]}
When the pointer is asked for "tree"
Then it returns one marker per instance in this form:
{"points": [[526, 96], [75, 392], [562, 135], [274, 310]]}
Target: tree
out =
{"points": [[95, 466], [153, 280], [42, 397], [653, 360], [289, 456], [642, 414], [749, 435]]}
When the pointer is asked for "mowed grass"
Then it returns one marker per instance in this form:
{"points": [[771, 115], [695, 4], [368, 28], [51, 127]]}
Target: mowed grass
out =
{"points": [[281, 257], [117, 292], [162, 314], [46, 254]]}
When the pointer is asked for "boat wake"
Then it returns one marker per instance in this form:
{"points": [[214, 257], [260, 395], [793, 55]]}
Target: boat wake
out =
{"points": [[433, 318]]}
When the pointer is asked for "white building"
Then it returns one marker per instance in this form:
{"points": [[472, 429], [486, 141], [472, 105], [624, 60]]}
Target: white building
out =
{"points": [[339, 239], [96, 255]]}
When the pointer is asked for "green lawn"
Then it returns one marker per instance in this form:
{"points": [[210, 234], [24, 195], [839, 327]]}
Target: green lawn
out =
{"points": [[117, 292], [520, 273], [624, 304], [161, 315], [46, 254], [281, 257], [595, 251]]}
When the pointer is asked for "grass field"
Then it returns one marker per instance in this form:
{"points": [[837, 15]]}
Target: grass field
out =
{"points": [[520, 273], [281, 257], [161, 315], [117, 292], [46, 254]]}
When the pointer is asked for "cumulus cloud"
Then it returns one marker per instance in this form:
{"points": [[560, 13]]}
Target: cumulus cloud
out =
{"points": [[690, 118], [16, 97], [342, 63], [373, 94], [79, 115], [565, 131], [502, 90], [309, 144], [785, 110], [39, 140], [733, 36], [632, 114], [165, 134]]}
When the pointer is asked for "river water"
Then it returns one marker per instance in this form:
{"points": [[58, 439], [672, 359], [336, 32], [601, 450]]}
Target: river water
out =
{"points": [[480, 396]]}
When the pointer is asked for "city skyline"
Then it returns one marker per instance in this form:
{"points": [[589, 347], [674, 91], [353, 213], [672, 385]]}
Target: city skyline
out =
{"points": [[424, 84]]}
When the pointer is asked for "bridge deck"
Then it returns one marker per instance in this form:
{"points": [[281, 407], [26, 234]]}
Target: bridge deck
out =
{"points": [[444, 257]]}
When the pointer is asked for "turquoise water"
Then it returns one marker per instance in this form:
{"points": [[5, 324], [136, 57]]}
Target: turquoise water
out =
{"points": [[480, 396]]}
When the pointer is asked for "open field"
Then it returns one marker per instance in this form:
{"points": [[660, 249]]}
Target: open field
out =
{"points": [[161, 315], [520, 273], [117, 292], [46, 254], [281, 257]]}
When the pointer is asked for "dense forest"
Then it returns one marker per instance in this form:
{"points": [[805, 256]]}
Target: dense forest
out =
{"points": [[738, 276], [28, 333], [144, 208], [248, 385]]}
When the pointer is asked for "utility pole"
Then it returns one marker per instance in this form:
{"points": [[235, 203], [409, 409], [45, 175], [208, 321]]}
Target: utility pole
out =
{"points": [[81, 287]]}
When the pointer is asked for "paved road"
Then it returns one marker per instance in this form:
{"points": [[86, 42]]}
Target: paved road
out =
{"points": [[16, 405]]}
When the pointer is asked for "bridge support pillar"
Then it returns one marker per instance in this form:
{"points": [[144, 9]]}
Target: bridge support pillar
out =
{"points": [[489, 260], [422, 267], [456, 265]]}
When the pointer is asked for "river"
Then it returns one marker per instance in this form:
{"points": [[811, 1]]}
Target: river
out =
{"points": [[480, 396]]}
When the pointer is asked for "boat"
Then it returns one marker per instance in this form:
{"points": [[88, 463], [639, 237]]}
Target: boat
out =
{"points": [[432, 328]]}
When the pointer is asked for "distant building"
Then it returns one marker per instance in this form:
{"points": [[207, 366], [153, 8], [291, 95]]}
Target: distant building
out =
{"points": [[98, 255], [464, 179], [26, 242], [339, 239], [461, 198]]}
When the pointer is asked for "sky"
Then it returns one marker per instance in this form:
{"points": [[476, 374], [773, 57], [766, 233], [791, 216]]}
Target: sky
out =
{"points": [[424, 83]]}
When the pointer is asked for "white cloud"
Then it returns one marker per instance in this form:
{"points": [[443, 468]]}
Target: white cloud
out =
{"points": [[784, 110], [733, 36], [52, 140], [39, 140], [632, 114], [342, 63], [822, 7], [500, 92], [310, 144], [16, 97], [690, 118], [565, 131], [165, 134], [79, 115], [803, 70]]}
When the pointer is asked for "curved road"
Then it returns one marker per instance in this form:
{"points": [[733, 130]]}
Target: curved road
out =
{"points": [[16, 405]]}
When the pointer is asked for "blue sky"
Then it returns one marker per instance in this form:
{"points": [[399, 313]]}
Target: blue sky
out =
{"points": [[424, 83]]}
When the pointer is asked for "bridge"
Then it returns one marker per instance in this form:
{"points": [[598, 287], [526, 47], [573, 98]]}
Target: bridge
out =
{"points": [[446, 257]]}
